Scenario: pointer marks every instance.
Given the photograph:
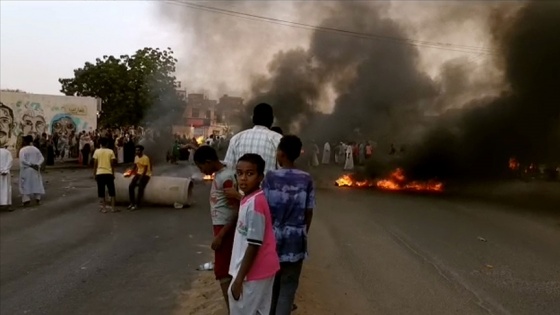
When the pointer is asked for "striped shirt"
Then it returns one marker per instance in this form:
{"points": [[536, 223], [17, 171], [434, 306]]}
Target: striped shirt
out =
{"points": [[259, 140]]}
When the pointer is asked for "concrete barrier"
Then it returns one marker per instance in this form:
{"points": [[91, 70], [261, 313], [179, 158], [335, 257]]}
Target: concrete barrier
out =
{"points": [[161, 190]]}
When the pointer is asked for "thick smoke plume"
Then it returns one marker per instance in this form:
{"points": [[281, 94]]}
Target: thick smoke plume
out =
{"points": [[377, 83], [523, 122], [331, 86], [383, 94]]}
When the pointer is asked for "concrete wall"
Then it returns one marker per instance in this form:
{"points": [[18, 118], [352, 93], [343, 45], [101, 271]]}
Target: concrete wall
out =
{"points": [[31, 114]]}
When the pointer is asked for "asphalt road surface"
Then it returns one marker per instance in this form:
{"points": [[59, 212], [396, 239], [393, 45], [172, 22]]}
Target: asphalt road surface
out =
{"points": [[371, 253], [384, 253], [65, 257]]}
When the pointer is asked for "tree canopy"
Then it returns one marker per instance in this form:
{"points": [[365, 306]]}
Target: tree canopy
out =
{"points": [[133, 89]]}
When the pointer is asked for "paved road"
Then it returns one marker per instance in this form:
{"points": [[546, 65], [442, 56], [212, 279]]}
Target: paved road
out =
{"points": [[372, 253], [380, 253], [65, 257]]}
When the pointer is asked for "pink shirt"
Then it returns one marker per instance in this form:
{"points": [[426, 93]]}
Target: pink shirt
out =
{"points": [[254, 226]]}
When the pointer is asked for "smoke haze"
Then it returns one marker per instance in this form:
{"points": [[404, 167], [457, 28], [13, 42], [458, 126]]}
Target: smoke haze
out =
{"points": [[464, 111], [220, 54], [523, 121]]}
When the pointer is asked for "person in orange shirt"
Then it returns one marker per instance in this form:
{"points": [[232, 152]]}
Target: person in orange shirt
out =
{"points": [[143, 172]]}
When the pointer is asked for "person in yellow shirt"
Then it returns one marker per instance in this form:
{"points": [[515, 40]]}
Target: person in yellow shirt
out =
{"points": [[143, 172], [104, 173]]}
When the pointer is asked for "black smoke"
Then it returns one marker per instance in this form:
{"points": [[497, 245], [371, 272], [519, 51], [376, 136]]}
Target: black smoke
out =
{"points": [[377, 83], [523, 122], [382, 94]]}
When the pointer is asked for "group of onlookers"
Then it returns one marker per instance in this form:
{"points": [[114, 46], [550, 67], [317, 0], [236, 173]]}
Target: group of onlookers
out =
{"points": [[35, 153], [81, 145], [261, 207]]}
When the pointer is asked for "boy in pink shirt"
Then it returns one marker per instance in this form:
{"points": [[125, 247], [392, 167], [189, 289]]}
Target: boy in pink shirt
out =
{"points": [[254, 261]]}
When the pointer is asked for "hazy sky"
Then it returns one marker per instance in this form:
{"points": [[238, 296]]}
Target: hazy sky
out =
{"points": [[42, 41]]}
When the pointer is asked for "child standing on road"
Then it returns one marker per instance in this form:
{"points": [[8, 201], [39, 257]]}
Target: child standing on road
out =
{"points": [[223, 212], [254, 261], [291, 197]]}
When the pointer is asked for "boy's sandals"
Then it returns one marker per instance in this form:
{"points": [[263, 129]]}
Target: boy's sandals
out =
{"points": [[102, 209], [114, 210]]}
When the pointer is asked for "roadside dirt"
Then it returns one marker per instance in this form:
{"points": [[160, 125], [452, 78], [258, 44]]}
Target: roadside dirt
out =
{"points": [[204, 296]]}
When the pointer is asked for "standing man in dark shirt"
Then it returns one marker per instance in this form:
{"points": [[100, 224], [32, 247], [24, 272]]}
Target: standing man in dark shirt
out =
{"points": [[55, 138], [111, 141]]}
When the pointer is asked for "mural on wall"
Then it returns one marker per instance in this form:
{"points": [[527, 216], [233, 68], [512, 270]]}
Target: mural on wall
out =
{"points": [[6, 125], [32, 119], [24, 114], [63, 124]]}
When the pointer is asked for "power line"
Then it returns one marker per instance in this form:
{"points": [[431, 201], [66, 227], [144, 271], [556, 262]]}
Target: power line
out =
{"points": [[400, 40]]}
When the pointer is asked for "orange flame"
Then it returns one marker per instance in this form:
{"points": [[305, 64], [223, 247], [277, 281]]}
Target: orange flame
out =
{"points": [[513, 164], [129, 172], [208, 177], [348, 181], [395, 181]]}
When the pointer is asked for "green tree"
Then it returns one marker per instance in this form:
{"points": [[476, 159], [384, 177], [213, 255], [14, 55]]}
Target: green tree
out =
{"points": [[137, 89]]}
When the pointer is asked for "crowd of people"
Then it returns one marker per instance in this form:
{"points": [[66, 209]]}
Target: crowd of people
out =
{"points": [[348, 154], [81, 145], [261, 207], [35, 153], [261, 203]]}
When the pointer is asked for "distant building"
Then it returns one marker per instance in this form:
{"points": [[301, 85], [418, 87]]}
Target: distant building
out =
{"points": [[203, 116], [230, 109]]}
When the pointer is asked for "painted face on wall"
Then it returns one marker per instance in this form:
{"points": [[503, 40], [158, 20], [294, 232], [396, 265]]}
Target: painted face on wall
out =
{"points": [[6, 125], [33, 125], [63, 125]]}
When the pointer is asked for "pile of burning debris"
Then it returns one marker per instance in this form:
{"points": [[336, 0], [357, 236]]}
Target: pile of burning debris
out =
{"points": [[395, 181]]}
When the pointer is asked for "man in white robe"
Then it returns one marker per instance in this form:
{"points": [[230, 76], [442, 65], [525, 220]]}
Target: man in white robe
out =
{"points": [[315, 154], [349, 163], [326, 153], [30, 179], [5, 178]]}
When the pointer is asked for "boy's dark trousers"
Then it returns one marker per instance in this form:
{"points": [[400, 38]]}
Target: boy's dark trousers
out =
{"points": [[285, 286], [141, 182]]}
